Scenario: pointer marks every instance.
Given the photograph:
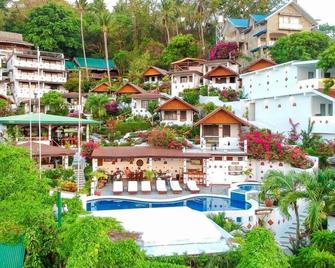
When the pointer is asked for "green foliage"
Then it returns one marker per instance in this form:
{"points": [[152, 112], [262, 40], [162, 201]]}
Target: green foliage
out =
{"points": [[260, 250], [124, 98], [191, 96], [324, 241], [203, 90], [4, 108], [225, 223], [72, 83], [24, 199], [327, 29], [121, 59], [300, 46], [137, 66], [209, 107], [56, 102], [181, 46], [152, 106], [61, 33], [132, 125], [327, 58], [57, 174], [96, 104], [327, 85]]}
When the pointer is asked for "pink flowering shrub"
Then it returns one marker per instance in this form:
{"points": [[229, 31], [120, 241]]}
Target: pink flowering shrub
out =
{"points": [[88, 148], [229, 95], [112, 107], [74, 114], [224, 50], [271, 147]]}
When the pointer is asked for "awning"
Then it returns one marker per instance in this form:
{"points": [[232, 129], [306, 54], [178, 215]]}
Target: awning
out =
{"points": [[260, 32]]}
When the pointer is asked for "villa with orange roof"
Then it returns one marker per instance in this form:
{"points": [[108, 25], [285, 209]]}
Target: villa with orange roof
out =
{"points": [[101, 88], [222, 77], [176, 111], [154, 75], [130, 88]]}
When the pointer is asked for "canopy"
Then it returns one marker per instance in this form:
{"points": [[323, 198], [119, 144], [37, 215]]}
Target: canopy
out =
{"points": [[46, 119]]}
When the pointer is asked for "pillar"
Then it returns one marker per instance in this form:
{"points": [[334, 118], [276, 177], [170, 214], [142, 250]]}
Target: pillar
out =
{"points": [[49, 133], [94, 164], [185, 175], [65, 161], [87, 133], [318, 74], [150, 163]]}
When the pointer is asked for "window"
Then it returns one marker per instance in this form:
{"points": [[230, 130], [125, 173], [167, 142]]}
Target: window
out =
{"points": [[327, 75], [238, 219], [190, 78], [170, 115], [226, 131], [218, 158], [182, 116], [220, 80], [330, 109], [323, 109], [229, 158], [144, 104], [240, 158], [211, 130], [100, 162], [183, 79], [311, 75], [232, 80]]}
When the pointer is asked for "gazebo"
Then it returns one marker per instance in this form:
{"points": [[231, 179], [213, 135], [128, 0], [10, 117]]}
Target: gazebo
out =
{"points": [[56, 130]]}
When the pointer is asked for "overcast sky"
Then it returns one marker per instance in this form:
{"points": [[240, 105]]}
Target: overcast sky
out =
{"points": [[319, 9]]}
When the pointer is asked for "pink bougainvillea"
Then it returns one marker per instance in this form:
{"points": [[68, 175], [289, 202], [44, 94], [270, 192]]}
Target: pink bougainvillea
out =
{"points": [[112, 107], [229, 94], [74, 114], [88, 148], [224, 50]]}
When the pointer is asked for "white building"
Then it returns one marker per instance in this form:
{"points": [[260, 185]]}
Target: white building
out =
{"points": [[293, 90], [30, 77], [140, 102]]}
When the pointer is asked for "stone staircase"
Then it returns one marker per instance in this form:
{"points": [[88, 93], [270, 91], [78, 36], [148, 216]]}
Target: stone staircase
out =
{"points": [[79, 174]]}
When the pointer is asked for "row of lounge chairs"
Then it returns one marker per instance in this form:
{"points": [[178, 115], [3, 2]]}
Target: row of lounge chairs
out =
{"points": [[160, 187]]}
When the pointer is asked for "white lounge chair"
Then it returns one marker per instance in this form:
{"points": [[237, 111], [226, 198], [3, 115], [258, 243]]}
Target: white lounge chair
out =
{"points": [[145, 187], [132, 187], [175, 187], [117, 187], [192, 186], [161, 187]]}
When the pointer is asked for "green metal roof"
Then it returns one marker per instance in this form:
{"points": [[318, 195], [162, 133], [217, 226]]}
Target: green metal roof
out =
{"points": [[25, 119], [70, 65], [94, 63]]}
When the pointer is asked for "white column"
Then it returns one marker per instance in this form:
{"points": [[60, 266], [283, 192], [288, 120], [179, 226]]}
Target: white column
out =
{"points": [[49, 133], [150, 163], [94, 164], [65, 161], [318, 73], [87, 133], [185, 175]]}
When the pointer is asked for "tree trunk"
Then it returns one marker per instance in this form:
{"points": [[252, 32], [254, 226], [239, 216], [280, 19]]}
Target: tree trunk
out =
{"points": [[202, 39], [296, 212], [177, 28], [106, 56], [167, 30], [83, 43]]}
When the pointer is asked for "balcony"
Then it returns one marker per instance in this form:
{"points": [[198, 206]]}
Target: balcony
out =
{"points": [[26, 64], [42, 78], [290, 26], [323, 124], [310, 84]]}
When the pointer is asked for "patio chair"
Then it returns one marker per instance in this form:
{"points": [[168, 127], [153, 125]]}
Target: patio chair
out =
{"points": [[117, 187], [132, 187], [145, 187], [192, 186], [161, 187], [175, 187]]}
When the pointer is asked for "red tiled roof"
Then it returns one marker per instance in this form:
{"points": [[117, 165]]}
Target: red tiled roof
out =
{"points": [[160, 70], [143, 151], [47, 150], [148, 96], [229, 71]]}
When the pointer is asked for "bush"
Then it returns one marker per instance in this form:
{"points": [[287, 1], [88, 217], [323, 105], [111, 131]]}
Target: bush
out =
{"points": [[166, 138], [191, 96], [229, 95], [224, 50], [131, 125], [203, 90], [57, 174], [209, 107]]}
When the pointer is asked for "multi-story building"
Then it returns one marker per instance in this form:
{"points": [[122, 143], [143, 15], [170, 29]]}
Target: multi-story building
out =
{"points": [[31, 77], [10, 42], [260, 31], [292, 91]]}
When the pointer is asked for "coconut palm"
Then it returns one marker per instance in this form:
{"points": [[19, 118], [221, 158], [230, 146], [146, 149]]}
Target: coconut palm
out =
{"points": [[105, 19], [166, 7], [96, 104], [287, 190], [320, 195], [82, 6]]}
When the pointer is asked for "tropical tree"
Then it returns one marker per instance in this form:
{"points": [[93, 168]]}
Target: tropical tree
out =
{"points": [[96, 104], [287, 191], [82, 6], [166, 7], [56, 102], [105, 19], [320, 195], [327, 58], [300, 46]]}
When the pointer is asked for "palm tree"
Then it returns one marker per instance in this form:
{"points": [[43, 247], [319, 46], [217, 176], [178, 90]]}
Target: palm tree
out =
{"points": [[166, 6], [287, 190], [320, 195], [82, 6], [96, 104], [105, 19]]}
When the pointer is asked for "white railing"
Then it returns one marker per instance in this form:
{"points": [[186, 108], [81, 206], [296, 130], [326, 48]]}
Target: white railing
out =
{"points": [[323, 124], [53, 66], [308, 84]]}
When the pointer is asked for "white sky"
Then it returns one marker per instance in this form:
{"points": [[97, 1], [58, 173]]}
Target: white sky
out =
{"points": [[322, 10]]}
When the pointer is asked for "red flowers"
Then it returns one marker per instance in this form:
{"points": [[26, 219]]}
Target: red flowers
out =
{"points": [[88, 148], [224, 50], [229, 95]]}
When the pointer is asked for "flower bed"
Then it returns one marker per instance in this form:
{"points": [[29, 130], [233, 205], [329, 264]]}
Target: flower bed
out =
{"points": [[229, 95]]}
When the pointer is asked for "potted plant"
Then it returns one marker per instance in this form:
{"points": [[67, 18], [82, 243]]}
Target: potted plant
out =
{"points": [[149, 175]]}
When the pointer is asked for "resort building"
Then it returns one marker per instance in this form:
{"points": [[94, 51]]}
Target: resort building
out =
{"points": [[12, 42], [140, 102], [258, 64], [97, 67], [130, 88], [292, 91], [101, 88], [260, 31], [176, 111], [72, 99], [222, 77], [154, 75], [30, 77]]}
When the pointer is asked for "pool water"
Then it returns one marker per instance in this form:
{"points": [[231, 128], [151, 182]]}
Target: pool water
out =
{"points": [[199, 203], [250, 187]]}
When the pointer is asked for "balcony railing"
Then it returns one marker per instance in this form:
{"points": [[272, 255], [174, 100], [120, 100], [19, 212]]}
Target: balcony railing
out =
{"points": [[323, 124], [315, 83], [44, 78], [226, 144]]}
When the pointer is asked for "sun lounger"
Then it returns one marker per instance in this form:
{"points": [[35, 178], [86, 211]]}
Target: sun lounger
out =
{"points": [[192, 186], [117, 187], [161, 187], [175, 187], [132, 187], [145, 187]]}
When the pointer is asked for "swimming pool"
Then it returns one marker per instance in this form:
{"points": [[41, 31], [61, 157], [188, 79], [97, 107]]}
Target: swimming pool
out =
{"points": [[250, 187], [199, 203]]}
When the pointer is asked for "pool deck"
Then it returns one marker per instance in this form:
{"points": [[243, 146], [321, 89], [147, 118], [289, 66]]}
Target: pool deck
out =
{"points": [[213, 189]]}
